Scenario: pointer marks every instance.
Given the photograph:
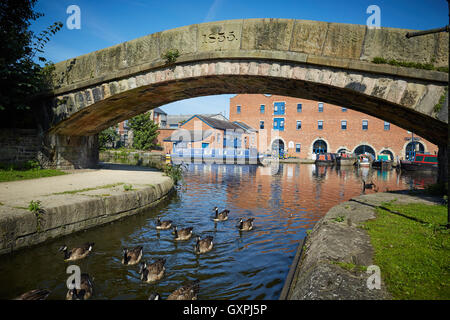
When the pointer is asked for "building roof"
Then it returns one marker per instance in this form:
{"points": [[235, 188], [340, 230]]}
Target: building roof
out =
{"points": [[158, 110], [188, 135], [177, 118], [245, 126], [216, 123]]}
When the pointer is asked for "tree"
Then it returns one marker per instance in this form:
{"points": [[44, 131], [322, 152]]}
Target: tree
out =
{"points": [[20, 76], [145, 132], [108, 137]]}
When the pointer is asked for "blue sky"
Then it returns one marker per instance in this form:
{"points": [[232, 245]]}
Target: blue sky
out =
{"points": [[106, 23]]}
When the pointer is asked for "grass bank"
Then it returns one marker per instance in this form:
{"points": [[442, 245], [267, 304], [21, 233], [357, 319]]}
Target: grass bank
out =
{"points": [[29, 170], [412, 249]]}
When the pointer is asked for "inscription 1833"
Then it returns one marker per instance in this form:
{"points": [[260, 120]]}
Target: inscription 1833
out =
{"points": [[219, 37]]}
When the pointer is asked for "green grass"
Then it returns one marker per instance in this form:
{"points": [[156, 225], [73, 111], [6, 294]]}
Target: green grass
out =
{"points": [[408, 64], [350, 266], [338, 219], [413, 257], [22, 174], [90, 189], [127, 187]]}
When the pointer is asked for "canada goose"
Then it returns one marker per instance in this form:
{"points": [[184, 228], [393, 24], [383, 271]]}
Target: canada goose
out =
{"points": [[163, 225], [221, 216], [186, 292], [36, 294], [204, 245], [154, 271], [86, 289], [154, 296], [76, 253], [369, 186], [132, 256], [183, 234], [246, 225]]}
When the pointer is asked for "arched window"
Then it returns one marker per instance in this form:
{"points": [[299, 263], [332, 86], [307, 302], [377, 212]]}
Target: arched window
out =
{"points": [[320, 146], [364, 149]]}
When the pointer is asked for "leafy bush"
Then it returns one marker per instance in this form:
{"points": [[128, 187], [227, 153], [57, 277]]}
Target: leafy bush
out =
{"points": [[171, 56], [127, 187], [108, 138], [174, 171]]}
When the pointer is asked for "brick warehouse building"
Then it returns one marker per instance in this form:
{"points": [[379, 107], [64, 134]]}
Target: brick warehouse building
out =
{"points": [[303, 127]]}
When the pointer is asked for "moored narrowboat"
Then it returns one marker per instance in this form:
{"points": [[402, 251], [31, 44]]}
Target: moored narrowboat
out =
{"points": [[327, 159], [383, 162], [421, 161]]}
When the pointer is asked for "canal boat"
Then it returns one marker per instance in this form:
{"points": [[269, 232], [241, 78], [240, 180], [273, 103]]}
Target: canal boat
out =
{"points": [[346, 159], [383, 162], [420, 161], [325, 159]]}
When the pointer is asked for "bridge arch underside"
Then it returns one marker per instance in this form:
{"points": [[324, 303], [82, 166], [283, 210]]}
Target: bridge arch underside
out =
{"points": [[408, 103]]}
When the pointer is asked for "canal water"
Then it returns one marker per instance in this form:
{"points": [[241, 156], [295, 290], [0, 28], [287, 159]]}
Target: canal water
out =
{"points": [[243, 265]]}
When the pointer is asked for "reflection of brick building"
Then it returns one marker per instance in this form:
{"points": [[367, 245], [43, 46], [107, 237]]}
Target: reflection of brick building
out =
{"points": [[303, 127]]}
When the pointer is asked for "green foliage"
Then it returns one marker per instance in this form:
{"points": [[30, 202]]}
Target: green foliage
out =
{"points": [[350, 266], [438, 106], [145, 132], [416, 65], [35, 207], [379, 60], [413, 256], [127, 187], [339, 219], [174, 171], [171, 56], [108, 138], [21, 77]]}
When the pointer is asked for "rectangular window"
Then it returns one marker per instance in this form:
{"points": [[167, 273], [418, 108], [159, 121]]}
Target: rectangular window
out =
{"points": [[278, 124], [238, 109], [298, 147], [278, 108], [261, 108], [387, 126], [299, 107], [365, 124], [299, 125], [320, 124], [261, 124], [344, 124], [344, 109], [430, 159], [320, 107]]}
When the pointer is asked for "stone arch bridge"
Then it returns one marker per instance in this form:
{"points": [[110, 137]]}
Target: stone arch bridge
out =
{"points": [[329, 62]]}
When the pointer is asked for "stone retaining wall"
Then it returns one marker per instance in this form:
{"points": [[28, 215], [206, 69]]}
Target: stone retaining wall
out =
{"points": [[69, 213], [334, 243], [19, 145]]}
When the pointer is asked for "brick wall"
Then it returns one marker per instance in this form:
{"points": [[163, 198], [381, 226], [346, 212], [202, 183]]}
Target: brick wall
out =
{"points": [[395, 139]]}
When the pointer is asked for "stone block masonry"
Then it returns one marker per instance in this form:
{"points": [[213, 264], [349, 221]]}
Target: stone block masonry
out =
{"points": [[19, 145], [75, 202]]}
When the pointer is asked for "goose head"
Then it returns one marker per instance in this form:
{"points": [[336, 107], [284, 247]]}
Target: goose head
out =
{"points": [[142, 267], [154, 296]]}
